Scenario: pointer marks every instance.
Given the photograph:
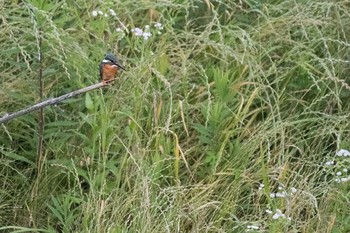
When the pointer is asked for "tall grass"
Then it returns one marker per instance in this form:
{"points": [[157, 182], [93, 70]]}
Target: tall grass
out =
{"points": [[228, 118]]}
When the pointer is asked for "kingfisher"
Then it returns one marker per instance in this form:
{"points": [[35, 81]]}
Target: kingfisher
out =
{"points": [[109, 67]]}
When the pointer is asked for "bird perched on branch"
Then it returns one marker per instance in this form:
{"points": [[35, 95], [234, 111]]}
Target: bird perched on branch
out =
{"points": [[109, 67]]}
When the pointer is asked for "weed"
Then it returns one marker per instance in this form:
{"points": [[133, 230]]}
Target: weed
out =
{"points": [[228, 118]]}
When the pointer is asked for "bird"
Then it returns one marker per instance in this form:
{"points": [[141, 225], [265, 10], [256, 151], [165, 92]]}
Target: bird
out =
{"points": [[109, 67]]}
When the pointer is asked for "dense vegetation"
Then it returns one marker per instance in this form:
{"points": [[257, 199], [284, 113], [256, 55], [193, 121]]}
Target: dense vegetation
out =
{"points": [[233, 116]]}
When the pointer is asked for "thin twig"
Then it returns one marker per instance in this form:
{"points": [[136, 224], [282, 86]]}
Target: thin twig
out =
{"points": [[51, 101], [41, 118]]}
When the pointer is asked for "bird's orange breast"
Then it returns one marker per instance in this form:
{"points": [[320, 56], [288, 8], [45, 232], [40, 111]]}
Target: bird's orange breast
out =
{"points": [[109, 72]]}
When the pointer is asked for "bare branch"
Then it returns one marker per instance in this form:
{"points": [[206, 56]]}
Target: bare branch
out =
{"points": [[51, 101]]}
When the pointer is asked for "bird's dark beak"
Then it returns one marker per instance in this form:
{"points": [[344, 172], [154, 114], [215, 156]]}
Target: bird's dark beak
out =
{"points": [[120, 66]]}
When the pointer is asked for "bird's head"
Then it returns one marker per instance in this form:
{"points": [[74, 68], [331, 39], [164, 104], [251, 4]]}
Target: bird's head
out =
{"points": [[110, 58]]}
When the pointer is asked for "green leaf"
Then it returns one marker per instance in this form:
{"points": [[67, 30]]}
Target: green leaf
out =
{"points": [[163, 64], [88, 102], [17, 157], [61, 124]]}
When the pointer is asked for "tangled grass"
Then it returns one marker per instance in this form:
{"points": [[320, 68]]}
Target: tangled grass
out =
{"points": [[231, 117]]}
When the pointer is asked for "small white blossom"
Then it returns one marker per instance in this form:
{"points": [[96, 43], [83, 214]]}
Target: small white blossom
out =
{"points": [[159, 26], [253, 227], [146, 35], [137, 31], [147, 27], [282, 194], [343, 152], [344, 179], [100, 12], [268, 211], [272, 195], [119, 30], [280, 188], [338, 173], [94, 13], [261, 186], [345, 170], [329, 163], [293, 190], [112, 12], [276, 216], [106, 15]]}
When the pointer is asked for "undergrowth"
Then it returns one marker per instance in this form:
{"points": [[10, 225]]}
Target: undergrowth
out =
{"points": [[231, 117]]}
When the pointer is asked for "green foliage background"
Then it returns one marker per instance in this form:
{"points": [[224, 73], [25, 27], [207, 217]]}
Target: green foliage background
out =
{"points": [[230, 97]]}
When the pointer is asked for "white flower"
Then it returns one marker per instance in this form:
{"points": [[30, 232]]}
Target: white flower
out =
{"points": [[345, 170], [106, 15], [112, 12], [344, 179], [338, 173], [268, 211], [261, 186], [283, 194], [278, 214], [119, 30], [329, 163], [137, 31], [147, 27], [343, 152], [293, 190], [253, 227], [94, 13], [146, 35], [159, 26], [100, 12], [272, 195], [280, 188]]}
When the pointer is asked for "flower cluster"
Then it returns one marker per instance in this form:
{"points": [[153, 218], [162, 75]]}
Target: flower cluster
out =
{"points": [[337, 167], [343, 152], [253, 227], [146, 32], [281, 192], [278, 214], [111, 12], [139, 32], [159, 26]]}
